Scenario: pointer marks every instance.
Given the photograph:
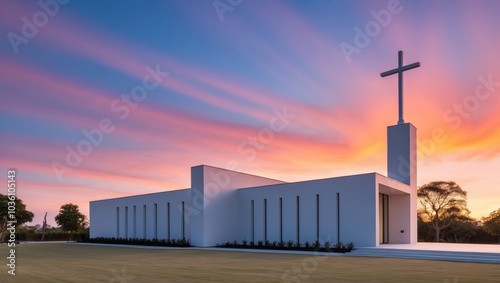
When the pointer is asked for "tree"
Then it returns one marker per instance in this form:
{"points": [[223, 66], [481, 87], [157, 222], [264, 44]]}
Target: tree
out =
{"points": [[21, 215], [70, 219], [442, 203], [492, 223], [424, 228], [460, 230]]}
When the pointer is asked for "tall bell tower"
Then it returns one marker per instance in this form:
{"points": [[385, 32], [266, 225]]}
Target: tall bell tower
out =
{"points": [[402, 157], [402, 138]]}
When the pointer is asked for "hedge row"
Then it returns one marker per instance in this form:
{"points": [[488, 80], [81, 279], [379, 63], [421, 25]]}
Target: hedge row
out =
{"points": [[29, 235], [140, 241], [291, 245]]}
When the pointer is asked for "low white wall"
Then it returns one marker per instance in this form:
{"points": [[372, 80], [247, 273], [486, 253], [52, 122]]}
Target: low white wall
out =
{"points": [[357, 205], [105, 222]]}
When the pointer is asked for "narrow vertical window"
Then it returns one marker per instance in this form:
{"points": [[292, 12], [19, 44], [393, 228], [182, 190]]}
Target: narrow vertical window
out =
{"points": [[117, 222], [126, 222], [156, 221], [384, 218], [253, 220], [265, 221], [298, 221], [134, 219], [183, 222], [281, 220], [317, 217], [338, 217], [168, 220], [144, 221]]}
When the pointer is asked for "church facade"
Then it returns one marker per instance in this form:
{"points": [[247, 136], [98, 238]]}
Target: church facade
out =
{"points": [[223, 205]]}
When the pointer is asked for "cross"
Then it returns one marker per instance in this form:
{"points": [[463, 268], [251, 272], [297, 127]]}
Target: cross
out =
{"points": [[399, 70]]}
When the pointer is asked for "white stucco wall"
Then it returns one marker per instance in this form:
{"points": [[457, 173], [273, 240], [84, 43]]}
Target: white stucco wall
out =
{"points": [[402, 153], [358, 200], [399, 226], [214, 196], [218, 209], [105, 223], [402, 166]]}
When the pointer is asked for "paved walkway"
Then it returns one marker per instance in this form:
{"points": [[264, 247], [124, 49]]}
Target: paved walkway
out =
{"points": [[435, 251], [483, 248]]}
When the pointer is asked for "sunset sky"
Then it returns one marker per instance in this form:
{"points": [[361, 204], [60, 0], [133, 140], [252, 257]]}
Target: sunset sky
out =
{"points": [[155, 87]]}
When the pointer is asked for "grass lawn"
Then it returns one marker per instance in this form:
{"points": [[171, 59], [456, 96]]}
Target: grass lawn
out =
{"points": [[81, 263]]}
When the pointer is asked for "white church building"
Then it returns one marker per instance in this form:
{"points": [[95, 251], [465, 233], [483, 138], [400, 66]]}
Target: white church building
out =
{"points": [[223, 205]]}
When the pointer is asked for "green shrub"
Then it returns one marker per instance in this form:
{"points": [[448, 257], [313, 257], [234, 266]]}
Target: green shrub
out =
{"points": [[291, 245], [317, 245], [24, 234], [143, 242], [350, 246], [327, 244]]}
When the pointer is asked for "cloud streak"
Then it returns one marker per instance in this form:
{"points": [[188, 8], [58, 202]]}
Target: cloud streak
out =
{"points": [[226, 81]]}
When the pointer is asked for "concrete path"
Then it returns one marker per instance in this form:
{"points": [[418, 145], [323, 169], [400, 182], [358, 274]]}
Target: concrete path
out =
{"points": [[435, 251]]}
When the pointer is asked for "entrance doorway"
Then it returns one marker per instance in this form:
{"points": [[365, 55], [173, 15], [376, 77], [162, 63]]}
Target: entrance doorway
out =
{"points": [[383, 214]]}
